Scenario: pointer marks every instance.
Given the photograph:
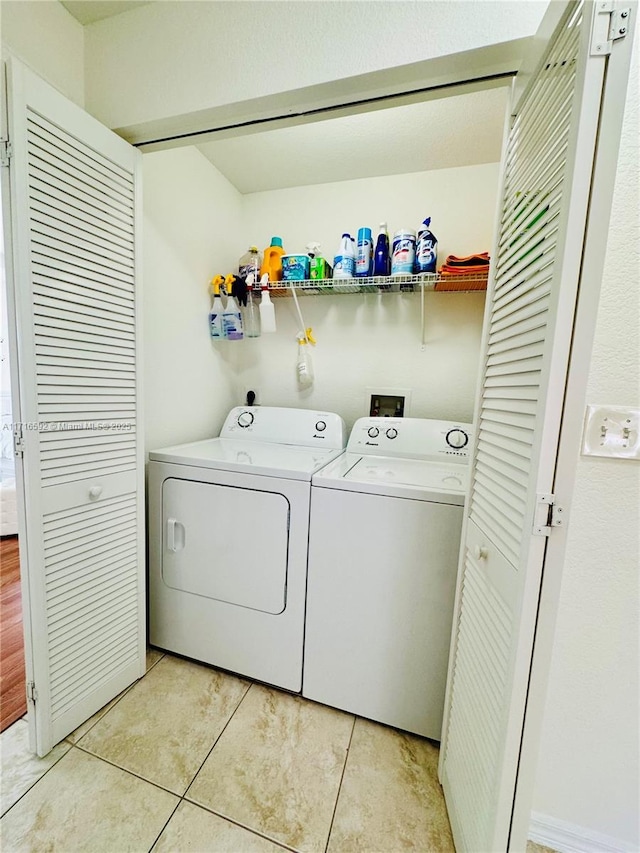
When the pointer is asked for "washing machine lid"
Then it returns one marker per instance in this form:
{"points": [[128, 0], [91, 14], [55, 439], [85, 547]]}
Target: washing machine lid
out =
{"points": [[286, 461], [396, 477]]}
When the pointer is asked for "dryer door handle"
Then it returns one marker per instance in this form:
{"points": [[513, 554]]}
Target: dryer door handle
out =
{"points": [[172, 545]]}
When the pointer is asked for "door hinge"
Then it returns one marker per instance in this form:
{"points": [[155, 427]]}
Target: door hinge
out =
{"points": [[610, 23], [547, 515], [32, 693], [18, 440], [6, 152]]}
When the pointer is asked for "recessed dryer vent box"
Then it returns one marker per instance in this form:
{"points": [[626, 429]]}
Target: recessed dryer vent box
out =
{"points": [[388, 402]]}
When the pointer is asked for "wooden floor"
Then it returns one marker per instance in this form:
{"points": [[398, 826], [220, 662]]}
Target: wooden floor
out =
{"points": [[13, 702]]}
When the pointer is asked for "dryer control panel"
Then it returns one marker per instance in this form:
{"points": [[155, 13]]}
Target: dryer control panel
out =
{"points": [[419, 438], [278, 425]]}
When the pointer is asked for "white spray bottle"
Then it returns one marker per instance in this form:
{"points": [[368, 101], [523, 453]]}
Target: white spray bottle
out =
{"points": [[304, 367], [267, 308]]}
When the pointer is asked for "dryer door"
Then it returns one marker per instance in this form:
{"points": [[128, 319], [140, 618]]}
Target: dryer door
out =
{"points": [[226, 543]]}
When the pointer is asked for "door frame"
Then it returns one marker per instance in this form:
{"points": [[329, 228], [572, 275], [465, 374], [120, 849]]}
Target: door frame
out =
{"points": [[570, 440]]}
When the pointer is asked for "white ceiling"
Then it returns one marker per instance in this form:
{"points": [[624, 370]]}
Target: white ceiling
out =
{"points": [[461, 130], [90, 11]]}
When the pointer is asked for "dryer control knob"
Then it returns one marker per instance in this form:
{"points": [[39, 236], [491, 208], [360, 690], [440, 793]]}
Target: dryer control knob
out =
{"points": [[373, 432], [392, 433], [457, 438], [321, 426], [245, 419]]}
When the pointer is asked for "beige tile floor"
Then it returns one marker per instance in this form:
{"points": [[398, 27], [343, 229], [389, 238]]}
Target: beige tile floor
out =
{"points": [[192, 759]]}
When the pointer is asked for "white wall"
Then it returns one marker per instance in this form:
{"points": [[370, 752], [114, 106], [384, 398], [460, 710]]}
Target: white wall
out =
{"points": [[589, 750], [189, 209], [196, 224], [374, 340], [49, 40], [173, 58]]}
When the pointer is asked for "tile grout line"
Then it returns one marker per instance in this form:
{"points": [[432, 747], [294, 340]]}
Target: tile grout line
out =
{"points": [[72, 743], [166, 823], [235, 822], [85, 751], [223, 730], [245, 826], [24, 794], [183, 798], [344, 768], [117, 702]]}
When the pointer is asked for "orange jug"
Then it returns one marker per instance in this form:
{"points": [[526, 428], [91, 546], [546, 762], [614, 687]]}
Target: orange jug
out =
{"points": [[272, 263]]}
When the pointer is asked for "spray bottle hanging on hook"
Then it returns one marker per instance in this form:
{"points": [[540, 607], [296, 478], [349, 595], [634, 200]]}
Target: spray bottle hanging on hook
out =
{"points": [[304, 367]]}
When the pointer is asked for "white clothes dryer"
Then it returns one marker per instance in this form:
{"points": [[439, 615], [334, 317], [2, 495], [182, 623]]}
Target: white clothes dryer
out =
{"points": [[384, 537], [228, 535]]}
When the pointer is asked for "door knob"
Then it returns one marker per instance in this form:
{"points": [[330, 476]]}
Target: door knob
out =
{"points": [[480, 552], [95, 492]]}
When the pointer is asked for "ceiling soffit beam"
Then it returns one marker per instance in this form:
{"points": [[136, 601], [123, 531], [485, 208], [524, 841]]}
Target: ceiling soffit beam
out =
{"points": [[455, 74]]}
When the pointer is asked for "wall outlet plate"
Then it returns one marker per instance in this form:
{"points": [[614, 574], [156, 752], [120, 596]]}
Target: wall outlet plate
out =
{"points": [[612, 431]]}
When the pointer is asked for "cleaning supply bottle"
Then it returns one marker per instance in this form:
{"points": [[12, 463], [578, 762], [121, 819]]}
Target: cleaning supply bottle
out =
{"points": [[344, 262], [426, 249], [231, 317], [250, 262], [216, 325], [272, 263], [251, 312], [364, 257], [381, 256], [304, 367], [403, 255], [267, 309]]}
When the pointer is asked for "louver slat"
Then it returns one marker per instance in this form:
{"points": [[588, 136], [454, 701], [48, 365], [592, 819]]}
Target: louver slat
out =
{"points": [[57, 202], [87, 157]]}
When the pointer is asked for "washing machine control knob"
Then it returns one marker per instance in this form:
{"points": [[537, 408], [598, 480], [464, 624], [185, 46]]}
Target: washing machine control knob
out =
{"points": [[321, 426], [245, 419], [373, 432], [457, 438], [392, 433]]}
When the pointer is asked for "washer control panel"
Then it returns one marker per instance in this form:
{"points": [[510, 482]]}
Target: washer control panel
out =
{"points": [[302, 427], [419, 438]]}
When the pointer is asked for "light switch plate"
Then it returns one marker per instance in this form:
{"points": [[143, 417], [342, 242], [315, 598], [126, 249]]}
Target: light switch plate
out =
{"points": [[612, 431]]}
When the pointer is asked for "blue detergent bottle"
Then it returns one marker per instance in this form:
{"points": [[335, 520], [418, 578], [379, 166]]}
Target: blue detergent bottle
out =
{"points": [[426, 249], [382, 257]]}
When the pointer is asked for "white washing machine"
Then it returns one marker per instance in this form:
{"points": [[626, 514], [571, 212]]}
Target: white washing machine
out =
{"points": [[384, 537], [228, 535]]}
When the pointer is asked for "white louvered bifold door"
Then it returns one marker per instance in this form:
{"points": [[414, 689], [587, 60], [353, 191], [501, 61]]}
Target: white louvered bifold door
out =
{"points": [[528, 325], [74, 199]]}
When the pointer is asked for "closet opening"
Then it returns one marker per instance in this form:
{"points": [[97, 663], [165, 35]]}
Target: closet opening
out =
{"points": [[308, 184]]}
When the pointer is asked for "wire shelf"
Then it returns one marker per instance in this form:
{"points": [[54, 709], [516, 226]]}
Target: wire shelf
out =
{"points": [[381, 284]]}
